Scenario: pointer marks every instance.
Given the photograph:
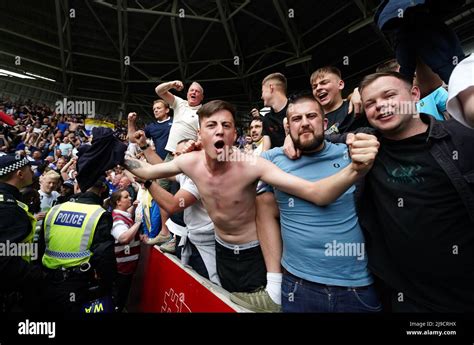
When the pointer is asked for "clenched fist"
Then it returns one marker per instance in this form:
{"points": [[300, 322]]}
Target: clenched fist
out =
{"points": [[177, 85], [140, 138], [363, 149], [132, 117]]}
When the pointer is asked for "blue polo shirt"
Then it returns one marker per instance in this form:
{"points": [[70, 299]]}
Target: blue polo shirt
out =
{"points": [[159, 133], [434, 104], [321, 244]]}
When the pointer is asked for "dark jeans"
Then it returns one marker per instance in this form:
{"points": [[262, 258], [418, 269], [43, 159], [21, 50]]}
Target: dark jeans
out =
{"points": [[240, 271], [302, 296]]}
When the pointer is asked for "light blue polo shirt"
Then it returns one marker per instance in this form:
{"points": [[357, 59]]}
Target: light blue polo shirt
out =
{"points": [[434, 104], [321, 244]]}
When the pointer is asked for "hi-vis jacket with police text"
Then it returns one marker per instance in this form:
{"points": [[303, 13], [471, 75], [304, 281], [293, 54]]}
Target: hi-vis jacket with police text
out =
{"points": [[102, 245], [68, 232]]}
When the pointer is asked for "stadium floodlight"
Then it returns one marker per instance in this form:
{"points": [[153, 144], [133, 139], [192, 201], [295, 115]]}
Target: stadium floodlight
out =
{"points": [[40, 76], [15, 74]]}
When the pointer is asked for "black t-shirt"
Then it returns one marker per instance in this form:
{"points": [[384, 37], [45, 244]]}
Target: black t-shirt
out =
{"points": [[420, 239], [340, 122], [273, 126]]}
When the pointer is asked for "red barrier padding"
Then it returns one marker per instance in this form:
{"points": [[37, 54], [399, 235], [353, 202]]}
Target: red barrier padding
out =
{"points": [[169, 287]]}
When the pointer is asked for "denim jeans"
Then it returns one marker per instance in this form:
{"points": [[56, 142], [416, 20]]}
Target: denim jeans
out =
{"points": [[302, 296]]}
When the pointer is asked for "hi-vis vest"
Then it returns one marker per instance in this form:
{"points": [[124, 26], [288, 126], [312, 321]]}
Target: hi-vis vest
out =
{"points": [[29, 238], [32, 219], [68, 232]]}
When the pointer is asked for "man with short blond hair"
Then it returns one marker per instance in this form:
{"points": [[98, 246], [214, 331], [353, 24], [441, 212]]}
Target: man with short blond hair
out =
{"points": [[274, 88], [327, 85], [48, 194]]}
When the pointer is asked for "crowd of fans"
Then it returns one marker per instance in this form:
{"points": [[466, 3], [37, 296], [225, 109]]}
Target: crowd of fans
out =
{"points": [[260, 248]]}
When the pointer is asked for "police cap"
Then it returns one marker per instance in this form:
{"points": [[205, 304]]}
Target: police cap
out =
{"points": [[10, 163]]}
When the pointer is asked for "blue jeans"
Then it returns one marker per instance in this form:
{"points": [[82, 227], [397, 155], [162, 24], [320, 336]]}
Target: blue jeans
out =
{"points": [[302, 296]]}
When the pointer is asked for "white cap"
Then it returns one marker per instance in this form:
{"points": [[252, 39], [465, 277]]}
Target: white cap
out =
{"points": [[461, 79]]}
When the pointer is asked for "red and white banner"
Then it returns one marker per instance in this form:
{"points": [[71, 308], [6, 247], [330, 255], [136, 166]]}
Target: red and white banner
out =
{"points": [[166, 286]]}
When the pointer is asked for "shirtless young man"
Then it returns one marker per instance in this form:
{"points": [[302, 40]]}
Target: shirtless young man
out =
{"points": [[227, 188]]}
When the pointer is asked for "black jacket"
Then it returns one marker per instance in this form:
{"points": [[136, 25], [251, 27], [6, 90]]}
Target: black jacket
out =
{"points": [[21, 282], [103, 258], [15, 273], [452, 146], [94, 160]]}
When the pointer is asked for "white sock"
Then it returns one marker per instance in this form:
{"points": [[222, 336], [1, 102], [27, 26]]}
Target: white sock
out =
{"points": [[274, 286]]}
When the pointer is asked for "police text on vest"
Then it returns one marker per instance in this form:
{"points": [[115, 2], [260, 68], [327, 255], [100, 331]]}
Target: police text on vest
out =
{"points": [[37, 328], [70, 218]]}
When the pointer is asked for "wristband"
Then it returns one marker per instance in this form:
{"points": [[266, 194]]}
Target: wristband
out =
{"points": [[143, 148], [148, 183]]}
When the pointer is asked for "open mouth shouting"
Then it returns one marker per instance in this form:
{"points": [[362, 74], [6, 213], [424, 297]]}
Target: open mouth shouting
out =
{"points": [[219, 145], [323, 96]]}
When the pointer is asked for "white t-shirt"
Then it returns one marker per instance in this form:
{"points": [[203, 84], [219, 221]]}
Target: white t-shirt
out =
{"points": [[47, 200], [119, 226], [66, 149], [185, 123], [198, 223], [132, 149]]}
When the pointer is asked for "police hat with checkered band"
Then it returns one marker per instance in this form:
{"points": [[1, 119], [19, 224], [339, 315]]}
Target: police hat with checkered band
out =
{"points": [[10, 163]]}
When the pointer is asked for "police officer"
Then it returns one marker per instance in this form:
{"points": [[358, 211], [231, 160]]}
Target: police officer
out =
{"points": [[78, 252], [20, 279]]}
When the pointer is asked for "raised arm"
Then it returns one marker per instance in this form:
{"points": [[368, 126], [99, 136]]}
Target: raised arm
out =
{"points": [[132, 128], [150, 154], [169, 202], [163, 90], [148, 172], [64, 170], [363, 148], [321, 193]]}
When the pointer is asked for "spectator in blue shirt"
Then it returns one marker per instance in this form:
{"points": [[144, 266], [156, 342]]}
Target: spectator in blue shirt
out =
{"points": [[159, 131], [324, 261]]}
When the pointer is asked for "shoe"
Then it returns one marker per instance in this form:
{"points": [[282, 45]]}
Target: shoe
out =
{"points": [[169, 247], [258, 301], [160, 239]]}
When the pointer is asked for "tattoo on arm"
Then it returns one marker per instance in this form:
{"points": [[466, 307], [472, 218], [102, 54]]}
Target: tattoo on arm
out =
{"points": [[132, 164]]}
